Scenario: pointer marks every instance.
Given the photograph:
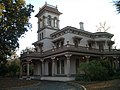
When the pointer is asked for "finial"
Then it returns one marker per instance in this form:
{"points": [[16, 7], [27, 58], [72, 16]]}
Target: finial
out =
{"points": [[45, 2]]}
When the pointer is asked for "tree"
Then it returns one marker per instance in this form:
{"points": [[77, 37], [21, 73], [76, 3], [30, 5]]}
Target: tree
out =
{"points": [[117, 5], [12, 67], [14, 22], [102, 27], [28, 50]]}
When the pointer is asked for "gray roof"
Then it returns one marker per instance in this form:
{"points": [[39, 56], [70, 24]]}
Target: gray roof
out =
{"points": [[103, 33], [83, 31]]}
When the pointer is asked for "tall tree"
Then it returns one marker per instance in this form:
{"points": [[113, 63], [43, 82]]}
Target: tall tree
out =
{"points": [[14, 22], [117, 4]]}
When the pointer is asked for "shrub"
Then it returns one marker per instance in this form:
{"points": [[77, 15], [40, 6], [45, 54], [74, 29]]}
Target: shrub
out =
{"points": [[94, 70]]}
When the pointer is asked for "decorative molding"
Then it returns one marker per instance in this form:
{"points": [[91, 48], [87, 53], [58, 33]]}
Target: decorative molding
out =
{"points": [[42, 60], [68, 55], [87, 57], [52, 58]]}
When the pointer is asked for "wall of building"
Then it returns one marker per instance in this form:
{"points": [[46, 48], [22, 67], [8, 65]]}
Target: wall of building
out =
{"points": [[69, 37], [47, 44], [84, 40]]}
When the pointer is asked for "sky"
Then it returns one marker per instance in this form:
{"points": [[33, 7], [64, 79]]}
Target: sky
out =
{"points": [[90, 12]]}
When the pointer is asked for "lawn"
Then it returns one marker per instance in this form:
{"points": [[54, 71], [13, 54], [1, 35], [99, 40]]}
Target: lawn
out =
{"points": [[14, 82], [97, 85], [102, 85]]}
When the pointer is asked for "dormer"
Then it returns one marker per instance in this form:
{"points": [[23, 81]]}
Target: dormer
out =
{"points": [[48, 17]]}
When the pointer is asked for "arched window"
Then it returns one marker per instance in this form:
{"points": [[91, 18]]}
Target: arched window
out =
{"points": [[39, 23], [49, 20], [55, 22], [43, 21]]}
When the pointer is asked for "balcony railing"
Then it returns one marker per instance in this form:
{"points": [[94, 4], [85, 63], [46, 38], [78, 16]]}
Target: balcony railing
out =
{"points": [[71, 48]]}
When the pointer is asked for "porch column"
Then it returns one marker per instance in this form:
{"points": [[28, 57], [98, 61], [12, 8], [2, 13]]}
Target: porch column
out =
{"points": [[43, 70], [28, 68], [116, 62], [87, 59], [28, 73], [53, 66], [68, 64]]}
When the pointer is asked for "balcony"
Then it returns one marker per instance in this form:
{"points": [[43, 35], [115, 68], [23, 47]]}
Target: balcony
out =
{"points": [[71, 49]]}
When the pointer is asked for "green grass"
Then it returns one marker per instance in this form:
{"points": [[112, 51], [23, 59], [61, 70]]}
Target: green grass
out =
{"points": [[14, 82], [102, 85]]}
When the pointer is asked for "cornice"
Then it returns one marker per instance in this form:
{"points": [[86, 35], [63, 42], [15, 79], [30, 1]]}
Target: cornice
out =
{"points": [[80, 32], [72, 30], [46, 27]]}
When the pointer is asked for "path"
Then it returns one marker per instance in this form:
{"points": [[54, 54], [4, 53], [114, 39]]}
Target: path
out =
{"points": [[45, 85]]}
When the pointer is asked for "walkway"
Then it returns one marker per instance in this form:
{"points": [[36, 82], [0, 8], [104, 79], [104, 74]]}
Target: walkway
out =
{"points": [[46, 85]]}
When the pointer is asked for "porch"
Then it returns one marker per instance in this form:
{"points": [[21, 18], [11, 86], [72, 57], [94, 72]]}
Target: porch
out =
{"points": [[49, 78]]}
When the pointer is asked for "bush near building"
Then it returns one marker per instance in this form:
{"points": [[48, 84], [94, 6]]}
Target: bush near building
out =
{"points": [[96, 70]]}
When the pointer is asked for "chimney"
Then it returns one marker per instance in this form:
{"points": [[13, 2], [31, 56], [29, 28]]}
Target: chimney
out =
{"points": [[81, 25]]}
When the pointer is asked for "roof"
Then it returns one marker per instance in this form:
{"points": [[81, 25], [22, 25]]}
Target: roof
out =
{"points": [[48, 8], [76, 37], [37, 43], [61, 38], [103, 33], [93, 35], [70, 28]]}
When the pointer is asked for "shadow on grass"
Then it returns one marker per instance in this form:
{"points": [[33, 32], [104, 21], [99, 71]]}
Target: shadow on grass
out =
{"points": [[15, 82]]}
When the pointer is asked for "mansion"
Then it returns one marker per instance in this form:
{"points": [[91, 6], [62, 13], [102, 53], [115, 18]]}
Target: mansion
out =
{"points": [[59, 52]]}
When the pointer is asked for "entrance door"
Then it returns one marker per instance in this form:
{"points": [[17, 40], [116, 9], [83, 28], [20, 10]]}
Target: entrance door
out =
{"points": [[50, 68]]}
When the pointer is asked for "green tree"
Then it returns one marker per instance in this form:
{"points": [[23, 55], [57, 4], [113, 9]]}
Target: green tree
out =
{"points": [[13, 67], [117, 5], [14, 22], [28, 50]]}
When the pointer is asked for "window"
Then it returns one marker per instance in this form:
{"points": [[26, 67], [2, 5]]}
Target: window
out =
{"points": [[49, 20], [62, 66], [90, 45], [57, 44], [62, 43], [55, 22], [76, 43], [109, 47], [42, 35], [39, 23], [101, 47]]}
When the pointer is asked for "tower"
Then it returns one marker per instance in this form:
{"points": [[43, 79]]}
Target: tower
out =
{"points": [[48, 22]]}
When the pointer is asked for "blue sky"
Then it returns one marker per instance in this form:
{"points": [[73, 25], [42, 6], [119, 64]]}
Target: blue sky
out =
{"points": [[91, 12]]}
